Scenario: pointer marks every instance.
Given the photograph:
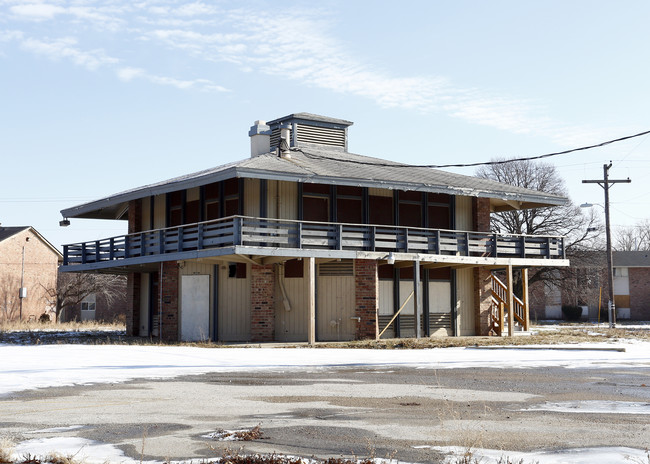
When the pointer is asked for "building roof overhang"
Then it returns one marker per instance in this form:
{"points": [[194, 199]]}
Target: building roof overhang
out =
{"points": [[314, 164]]}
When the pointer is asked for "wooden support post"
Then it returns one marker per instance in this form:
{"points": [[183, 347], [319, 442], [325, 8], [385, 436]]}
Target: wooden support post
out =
{"points": [[417, 299], [502, 318], [511, 303], [524, 297], [310, 272]]}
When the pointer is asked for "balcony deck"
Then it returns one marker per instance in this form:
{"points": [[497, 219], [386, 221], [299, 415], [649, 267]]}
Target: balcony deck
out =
{"points": [[278, 237]]}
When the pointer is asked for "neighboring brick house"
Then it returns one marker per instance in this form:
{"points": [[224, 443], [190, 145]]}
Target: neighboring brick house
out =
{"points": [[28, 271], [585, 284], [632, 284], [307, 241]]}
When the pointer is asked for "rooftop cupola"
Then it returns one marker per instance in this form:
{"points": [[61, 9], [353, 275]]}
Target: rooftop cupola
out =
{"points": [[303, 129]]}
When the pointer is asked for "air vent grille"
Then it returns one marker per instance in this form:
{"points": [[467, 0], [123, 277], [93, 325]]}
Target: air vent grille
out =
{"points": [[275, 138], [336, 268], [320, 135]]}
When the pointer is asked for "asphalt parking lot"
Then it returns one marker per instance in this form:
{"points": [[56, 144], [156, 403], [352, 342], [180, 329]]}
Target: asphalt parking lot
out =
{"points": [[350, 411]]}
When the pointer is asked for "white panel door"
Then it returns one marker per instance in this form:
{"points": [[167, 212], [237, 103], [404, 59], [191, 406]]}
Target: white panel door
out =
{"points": [[195, 307]]}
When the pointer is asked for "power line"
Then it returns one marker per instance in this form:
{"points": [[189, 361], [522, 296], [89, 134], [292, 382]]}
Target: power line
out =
{"points": [[467, 165]]}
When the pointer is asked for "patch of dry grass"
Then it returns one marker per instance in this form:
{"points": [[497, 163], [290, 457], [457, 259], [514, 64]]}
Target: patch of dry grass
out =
{"points": [[97, 333], [36, 326], [238, 435]]}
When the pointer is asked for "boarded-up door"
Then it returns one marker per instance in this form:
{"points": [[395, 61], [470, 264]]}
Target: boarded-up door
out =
{"points": [[195, 307], [234, 310], [335, 301], [291, 314]]}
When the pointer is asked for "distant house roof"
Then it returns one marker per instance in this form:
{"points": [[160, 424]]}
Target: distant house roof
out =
{"points": [[325, 164], [631, 258], [8, 232]]}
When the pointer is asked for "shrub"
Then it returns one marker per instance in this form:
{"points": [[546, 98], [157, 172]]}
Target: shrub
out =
{"points": [[571, 312]]}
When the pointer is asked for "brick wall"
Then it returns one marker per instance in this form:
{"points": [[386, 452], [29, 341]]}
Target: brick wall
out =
{"points": [[639, 293], [133, 287], [482, 292], [481, 214], [482, 301], [366, 298], [169, 309], [262, 303], [135, 216], [40, 273]]}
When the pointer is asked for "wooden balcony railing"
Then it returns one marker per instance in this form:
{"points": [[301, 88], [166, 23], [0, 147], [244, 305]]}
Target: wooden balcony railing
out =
{"points": [[287, 234]]}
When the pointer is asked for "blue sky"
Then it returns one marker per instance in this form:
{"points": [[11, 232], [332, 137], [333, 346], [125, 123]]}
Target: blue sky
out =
{"points": [[97, 97]]}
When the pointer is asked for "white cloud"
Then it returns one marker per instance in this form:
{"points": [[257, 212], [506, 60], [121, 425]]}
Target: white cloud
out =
{"points": [[9, 36], [127, 74], [65, 48], [36, 11], [291, 44]]}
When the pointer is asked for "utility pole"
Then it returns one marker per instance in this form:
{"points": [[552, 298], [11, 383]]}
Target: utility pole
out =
{"points": [[605, 184]]}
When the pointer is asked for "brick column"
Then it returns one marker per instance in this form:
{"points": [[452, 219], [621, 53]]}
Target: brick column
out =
{"points": [[639, 282], [366, 298], [133, 304], [135, 216], [169, 306], [481, 214], [262, 303], [482, 290], [482, 301]]}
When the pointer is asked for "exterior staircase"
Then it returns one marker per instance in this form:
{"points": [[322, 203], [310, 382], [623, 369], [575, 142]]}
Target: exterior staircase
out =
{"points": [[499, 311]]}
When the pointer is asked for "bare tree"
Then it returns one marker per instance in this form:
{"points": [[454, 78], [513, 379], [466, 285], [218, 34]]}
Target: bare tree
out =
{"points": [[633, 238], [73, 287], [9, 301], [582, 230]]}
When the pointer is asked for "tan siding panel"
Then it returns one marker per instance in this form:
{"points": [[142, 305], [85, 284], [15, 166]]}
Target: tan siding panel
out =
{"points": [[439, 297], [146, 213], [464, 213], [385, 297], [252, 197], [272, 198], [465, 303], [288, 201], [193, 194], [386, 308], [377, 192], [159, 212]]}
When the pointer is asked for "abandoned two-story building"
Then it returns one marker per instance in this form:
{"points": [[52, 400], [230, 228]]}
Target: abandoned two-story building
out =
{"points": [[304, 241]]}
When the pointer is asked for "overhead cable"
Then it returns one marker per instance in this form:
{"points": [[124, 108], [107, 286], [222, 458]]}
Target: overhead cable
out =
{"points": [[467, 165]]}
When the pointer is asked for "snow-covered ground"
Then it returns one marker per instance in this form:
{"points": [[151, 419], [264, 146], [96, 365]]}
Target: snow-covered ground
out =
{"points": [[42, 366], [91, 452], [609, 455]]}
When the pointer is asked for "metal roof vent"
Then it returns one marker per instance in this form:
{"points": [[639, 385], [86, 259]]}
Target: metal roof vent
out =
{"points": [[311, 129]]}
